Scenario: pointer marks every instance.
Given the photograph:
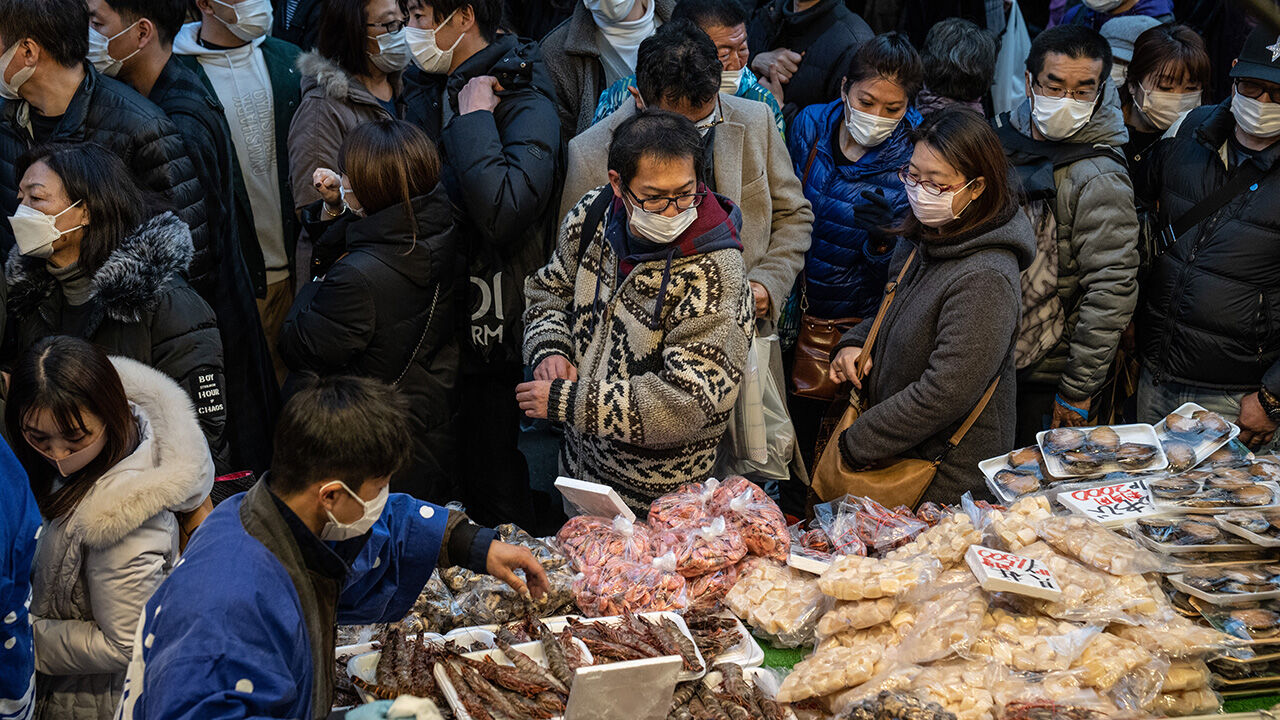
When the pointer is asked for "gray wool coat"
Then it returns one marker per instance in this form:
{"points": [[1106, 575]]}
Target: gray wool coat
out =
{"points": [[947, 333]]}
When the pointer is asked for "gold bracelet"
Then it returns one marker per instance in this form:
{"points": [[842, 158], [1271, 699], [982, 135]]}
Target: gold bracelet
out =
{"points": [[331, 213]]}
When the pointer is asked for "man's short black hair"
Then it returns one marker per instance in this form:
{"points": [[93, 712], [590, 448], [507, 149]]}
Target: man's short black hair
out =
{"points": [[658, 134], [710, 13], [166, 15], [346, 428], [959, 59], [488, 13], [59, 27], [678, 64], [1074, 41]]}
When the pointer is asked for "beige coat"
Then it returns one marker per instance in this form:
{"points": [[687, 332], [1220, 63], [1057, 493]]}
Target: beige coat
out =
{"points": [[752, 168], [95, 568]]}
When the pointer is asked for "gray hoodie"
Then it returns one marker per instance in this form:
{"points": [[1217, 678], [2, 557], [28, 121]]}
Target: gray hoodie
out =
{"points": [[947, 334]]}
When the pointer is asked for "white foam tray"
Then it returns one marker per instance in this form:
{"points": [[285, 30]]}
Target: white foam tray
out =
{"points": [[1135, 433], [1205, 447]]}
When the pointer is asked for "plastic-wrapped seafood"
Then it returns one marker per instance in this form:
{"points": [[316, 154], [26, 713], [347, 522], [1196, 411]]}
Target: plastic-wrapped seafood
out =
{"points": [[963, 688], [754, 514], [624, 586], [1201, 701], [1030, 643], [483, 599], [1192, 530], [852, 577], [435, 609], [1234, 579], [701, 550], [1262, 523], [857, 615], [592, 544], [1174, 636], [1016, 527], [1091, 595], [828, 671], [888, 705], [686, 507], [881, 637], [1093, 544], [1085, 451], [947, 541], [707, 591], [1109, 659], [776, 600], [946, 624], [1183, 676]]}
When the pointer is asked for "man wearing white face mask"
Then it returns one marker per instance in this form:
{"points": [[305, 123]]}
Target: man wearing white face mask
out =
{"points": [[1208, 325], [243, 627], [133, 40], [638, 327], [594, 49], [485, 99], [1064, 142]]}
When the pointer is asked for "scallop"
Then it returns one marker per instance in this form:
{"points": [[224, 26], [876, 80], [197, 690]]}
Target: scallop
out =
{"points": [[1195, 532], [1173, 487], [1018, 483], [1253, 496], [1256, 618], [1102, 441], [1228, 482], [1158, 529], [1135, 456], [1182, 426], [1080, 461], [1251, 520], [1181, 455], [1265, 470], [1214, 424], [1027, 457], [1061, 440]]}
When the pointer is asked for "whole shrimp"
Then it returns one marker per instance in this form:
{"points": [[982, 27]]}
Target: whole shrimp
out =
{"points": [[527, 665], [557, 661]]}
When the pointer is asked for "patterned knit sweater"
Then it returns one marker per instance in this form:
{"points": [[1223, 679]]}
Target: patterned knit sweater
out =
{"points": [[660, 355]]}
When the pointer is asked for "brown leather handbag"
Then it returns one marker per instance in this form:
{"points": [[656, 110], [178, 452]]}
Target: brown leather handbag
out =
{"points": [[891, 481], [817, 338]]}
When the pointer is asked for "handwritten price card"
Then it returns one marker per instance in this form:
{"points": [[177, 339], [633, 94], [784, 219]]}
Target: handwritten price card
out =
{"points": [[999, 571], [1111, 505]]}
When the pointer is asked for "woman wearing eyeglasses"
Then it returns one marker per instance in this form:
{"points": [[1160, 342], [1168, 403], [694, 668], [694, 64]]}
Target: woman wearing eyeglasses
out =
{"points": [[352, 76], [949, 331]]}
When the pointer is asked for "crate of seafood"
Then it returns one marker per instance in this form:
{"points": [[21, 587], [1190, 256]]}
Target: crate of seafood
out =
{"points": [[1190, 434], [1079, 452], [635, 637], [1185, 534], [1233, 585], [1260, 527], [513, 682], [1215, 491]]}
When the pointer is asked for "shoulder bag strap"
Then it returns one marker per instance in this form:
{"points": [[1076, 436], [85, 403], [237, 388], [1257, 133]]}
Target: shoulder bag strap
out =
{"points": [[808, 165], [1245, 175], [977, 412], [423, 338], [889, 291]]}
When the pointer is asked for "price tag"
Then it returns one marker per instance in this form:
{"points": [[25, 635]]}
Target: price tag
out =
{"points": [[999, 571], [1111, 504]]}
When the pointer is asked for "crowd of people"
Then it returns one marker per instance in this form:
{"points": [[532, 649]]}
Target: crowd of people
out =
{"points": [[360, 249]]}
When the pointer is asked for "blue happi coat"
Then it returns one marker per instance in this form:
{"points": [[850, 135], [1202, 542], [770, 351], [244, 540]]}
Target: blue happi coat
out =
{"points": [[224, 636], [19, 528]]}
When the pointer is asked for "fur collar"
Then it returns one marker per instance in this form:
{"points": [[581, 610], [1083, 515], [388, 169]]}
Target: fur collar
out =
{"points": [[332, 80], [129, 283], [176, 477]]}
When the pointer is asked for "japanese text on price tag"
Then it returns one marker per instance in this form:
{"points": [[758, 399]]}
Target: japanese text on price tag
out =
{"points": [[1111, 504], [999, 571]]}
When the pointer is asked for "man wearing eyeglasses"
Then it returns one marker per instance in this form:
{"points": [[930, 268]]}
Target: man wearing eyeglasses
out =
{"points": [[1064, 141], [638, 328], [1209, 325]]}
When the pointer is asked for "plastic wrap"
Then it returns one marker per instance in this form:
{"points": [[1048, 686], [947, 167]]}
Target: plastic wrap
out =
{"points": [[963, 688], [881, 528], [1175, 636], [619, 539], [708, 590], [828, 671], [1092, 544], [852, 577], [1050, 696], [1186, 675], [947, 541], [1090, 595], [701, 550], [754, 514], [486, 600], [931, 513], [435, 609], [686, 507], [881, 637], [857, 615], [1015, 528], [946, 624], [622, 586], [1126, 671], [1201, 701], [1030, 643], [888, 704], [577, 532], [778, 603]]}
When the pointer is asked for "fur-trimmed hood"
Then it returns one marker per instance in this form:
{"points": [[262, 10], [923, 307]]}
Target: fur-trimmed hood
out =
{"points": [[127, 286], [322, 76], [171, 469]]}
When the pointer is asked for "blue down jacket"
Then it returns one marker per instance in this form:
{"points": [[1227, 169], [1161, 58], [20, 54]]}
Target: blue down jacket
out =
{"points": [[844, 276]]}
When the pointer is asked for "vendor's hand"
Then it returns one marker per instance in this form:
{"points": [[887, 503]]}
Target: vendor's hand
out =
{"points": [[555, 367], [1256, 429], [844, 366], [778, 64], [502, 562], [1065, 417], [532, 397], [479, 94], [328, 184], [761, 297]]}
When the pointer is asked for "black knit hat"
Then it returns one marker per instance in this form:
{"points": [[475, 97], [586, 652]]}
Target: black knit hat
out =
{"points": [[1260, 56]]}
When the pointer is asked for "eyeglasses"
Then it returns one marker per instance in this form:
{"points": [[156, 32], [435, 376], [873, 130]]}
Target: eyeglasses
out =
{"points": [[715, 120], [387, 27], [1253, 90], [1058, 93], [904, 174], [658, 205]]}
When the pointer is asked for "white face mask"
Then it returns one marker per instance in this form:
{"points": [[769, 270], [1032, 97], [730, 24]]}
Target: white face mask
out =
{"points": [[337, 531], [1162, 109], [9, 88], [253, 18], [660, 228], [1103, 5], [1060, 118], [1256, 118], [1118, 71], [427, 54], [731, 80], [934, 210], [100, 52], [35, 232], [393, 52], [869, 130], [610, 11]]}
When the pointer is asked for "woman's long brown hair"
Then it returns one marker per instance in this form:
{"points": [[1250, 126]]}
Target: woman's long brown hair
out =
{"points": [[389, 162], [70, 378]]}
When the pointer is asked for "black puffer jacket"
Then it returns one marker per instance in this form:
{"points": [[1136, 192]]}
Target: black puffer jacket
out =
{"points": [[1210, 312], [366, 316], [112, 114], [828, 34], [503, 170], [140, 308], [252, 393]]}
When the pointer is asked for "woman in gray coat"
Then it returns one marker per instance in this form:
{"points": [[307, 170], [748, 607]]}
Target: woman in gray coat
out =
{"points": [[949, 331], [115, 456]]}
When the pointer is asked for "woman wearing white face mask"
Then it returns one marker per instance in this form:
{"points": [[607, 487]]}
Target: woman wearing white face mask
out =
{"points": [[1165, 81], [949, 330], [116, 462], [1094, 13], [95, 263], [353, 76]]}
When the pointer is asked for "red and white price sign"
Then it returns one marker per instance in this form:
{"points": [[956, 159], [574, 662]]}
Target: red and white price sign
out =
{"points": [[1111, 504], [999, 571]]}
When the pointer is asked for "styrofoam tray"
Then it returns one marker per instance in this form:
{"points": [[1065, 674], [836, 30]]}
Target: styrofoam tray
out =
{"points": [[560, 623], [532, 649], [1134, 433], [1256, 539], [1221, 598], [1203, 448], [1169, 506], [364, 662], [468, 636], [1176, 549], [746, 653], [990, 467]]}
